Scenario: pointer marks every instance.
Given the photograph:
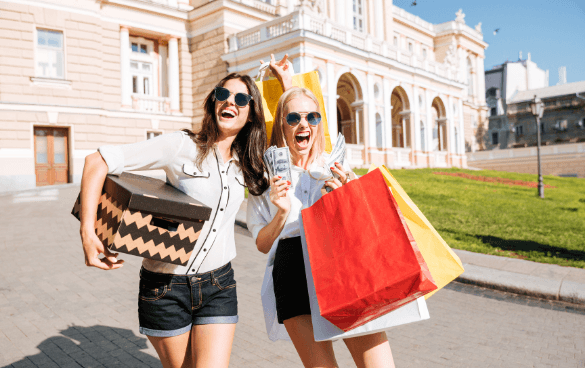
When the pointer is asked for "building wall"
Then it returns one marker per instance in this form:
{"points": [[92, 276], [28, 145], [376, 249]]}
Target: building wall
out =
{"points": [[565, 159]]}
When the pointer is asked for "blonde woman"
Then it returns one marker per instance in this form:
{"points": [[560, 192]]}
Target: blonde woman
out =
{"points": [[273, 220]]}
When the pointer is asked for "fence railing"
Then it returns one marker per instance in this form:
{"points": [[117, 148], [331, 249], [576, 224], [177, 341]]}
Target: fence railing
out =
{"points": [[151, 104]]}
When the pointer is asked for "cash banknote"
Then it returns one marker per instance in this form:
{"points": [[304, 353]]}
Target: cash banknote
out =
{"points": [[281, 163], [337, 155], [268, 160]]}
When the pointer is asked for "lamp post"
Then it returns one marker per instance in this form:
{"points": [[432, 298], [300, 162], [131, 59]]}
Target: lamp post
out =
{"points": [[537, 108]]}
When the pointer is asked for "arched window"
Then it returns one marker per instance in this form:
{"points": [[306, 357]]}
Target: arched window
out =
{"points": [[469, 77], [423, 145], [379, 131]]}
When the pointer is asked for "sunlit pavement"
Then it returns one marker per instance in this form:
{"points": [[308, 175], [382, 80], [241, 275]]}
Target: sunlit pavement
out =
{"points": [[56, 312]]}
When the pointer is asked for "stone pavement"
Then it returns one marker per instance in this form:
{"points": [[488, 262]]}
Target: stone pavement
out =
{"points": [[56, 312]]}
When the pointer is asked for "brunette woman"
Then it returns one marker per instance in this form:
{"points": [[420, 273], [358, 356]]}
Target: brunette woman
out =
{"points": [[189, 312]]}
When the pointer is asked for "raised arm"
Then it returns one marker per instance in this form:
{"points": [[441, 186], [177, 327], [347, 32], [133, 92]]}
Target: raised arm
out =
{"points": [[92, 182], [281, 71]]}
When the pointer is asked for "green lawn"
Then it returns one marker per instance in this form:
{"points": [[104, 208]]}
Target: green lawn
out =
{"points": [[501, 219]]}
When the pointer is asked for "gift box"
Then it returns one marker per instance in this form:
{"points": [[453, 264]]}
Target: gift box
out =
{"points": [[148, 218]]}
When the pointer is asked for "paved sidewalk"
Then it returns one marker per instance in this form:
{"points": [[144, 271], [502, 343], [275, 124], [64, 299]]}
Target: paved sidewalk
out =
{"points": [[56, 312], [518, 276]]}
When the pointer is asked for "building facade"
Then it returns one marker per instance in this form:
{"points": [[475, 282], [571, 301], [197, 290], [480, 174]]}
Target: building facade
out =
{"points": [[502, 83], [76, 74]]}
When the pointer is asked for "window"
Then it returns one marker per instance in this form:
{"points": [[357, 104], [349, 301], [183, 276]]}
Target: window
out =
{"points": [[469, 78], [541, 127], [424, 53], [423, 145], [410, 47], [495, 138], [376, 91], [493, 111], [139, 48], [50, 55], [420, 102], [519, 130], [561, 125], [141, 77], [396, 41], [454, 110], [379, 131], [150, 135], [358, 15]]}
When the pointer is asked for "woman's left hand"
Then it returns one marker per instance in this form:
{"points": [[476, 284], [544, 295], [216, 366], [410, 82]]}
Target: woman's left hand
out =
{"points": [[343, 177], [281, 71]]}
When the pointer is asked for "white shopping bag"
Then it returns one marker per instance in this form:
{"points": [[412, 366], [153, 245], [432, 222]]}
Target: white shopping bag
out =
{"points": [[324, 330]]}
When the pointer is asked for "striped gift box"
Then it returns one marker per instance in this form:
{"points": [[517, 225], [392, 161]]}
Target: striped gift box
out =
{"points": [[148, 218]]}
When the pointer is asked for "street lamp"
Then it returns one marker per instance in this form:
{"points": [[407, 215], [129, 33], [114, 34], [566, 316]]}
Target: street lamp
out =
{"points": [[537, 108]]}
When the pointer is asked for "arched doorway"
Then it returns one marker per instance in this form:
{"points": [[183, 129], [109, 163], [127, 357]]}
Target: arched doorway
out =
{"points": [[400, 118], [439, 121], [350, 115]]}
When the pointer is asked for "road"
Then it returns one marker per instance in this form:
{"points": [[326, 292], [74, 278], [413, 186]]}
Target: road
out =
{"points": [[56, 312]]}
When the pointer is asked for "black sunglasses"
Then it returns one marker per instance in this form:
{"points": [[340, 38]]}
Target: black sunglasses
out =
{"points": [[241, 99], [294, 118]]}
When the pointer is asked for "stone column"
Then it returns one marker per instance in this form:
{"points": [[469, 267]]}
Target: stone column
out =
{"points": [[331, 101], [480, 80], [379, 19], [174, 75], [461, 129], [416, 126], [340, 10], [429, 125], [126, 79], [387, 99], [371, 118], [450, 123]]}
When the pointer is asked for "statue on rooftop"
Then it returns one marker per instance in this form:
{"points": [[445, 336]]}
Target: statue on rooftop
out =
{"points": [[459, 16]]}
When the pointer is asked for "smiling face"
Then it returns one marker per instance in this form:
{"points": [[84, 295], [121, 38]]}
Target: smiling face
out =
{"points": [[230, 117], [301, 137]]}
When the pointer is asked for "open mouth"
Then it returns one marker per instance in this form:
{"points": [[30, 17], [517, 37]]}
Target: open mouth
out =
{"points": [[302, 138], [228, 114]]}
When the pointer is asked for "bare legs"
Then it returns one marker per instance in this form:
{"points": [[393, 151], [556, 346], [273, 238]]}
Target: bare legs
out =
{"points": [[312, 353], [370, 351], [205, 346]]}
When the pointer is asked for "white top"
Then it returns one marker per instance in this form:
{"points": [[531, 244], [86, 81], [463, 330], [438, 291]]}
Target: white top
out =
{"points": [[219, 185], [305, 191]]}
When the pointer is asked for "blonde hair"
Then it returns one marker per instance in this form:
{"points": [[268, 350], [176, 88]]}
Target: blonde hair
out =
{"points": [[278, 139]]}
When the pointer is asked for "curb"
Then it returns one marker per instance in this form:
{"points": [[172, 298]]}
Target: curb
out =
{"points": [[539, 287]]}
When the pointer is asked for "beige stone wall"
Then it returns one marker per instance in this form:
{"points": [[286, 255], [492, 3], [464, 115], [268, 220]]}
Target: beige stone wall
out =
{"points": [[208, 68], [185, 77], [555, 160], [92, 61]]}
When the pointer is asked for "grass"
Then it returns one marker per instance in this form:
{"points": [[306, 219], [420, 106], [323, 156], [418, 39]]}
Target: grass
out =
{"points": [[500, 219]]}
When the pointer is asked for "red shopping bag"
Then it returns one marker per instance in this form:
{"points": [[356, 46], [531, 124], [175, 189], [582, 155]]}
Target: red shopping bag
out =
{"points": [[364, 261]]}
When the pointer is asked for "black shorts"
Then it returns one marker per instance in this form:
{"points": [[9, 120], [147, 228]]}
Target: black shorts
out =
{"points": [[290, 282]]}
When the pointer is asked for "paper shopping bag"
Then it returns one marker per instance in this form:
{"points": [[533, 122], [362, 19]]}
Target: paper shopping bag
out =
{"points": [[271, 91], [414, 311], [363, 263], [443, 263]]}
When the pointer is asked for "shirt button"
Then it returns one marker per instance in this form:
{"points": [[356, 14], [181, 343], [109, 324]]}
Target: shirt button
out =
{"points": [[205, 250], [224, 187], [223, 172], [221, 209], [193, 270], [213, 230], [305, 192]]}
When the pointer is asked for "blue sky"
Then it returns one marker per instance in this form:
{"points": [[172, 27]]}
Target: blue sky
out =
{"points": [[553, 31]]}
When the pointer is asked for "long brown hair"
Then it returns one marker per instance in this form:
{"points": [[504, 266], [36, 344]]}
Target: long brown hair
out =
{"points": [[278, 139], [250, 143]]}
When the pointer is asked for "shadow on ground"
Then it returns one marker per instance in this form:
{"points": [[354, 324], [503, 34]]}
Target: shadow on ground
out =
{"points": [[515, 245], [95, 346]]}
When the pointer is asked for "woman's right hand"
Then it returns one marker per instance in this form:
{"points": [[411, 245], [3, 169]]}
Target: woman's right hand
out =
{"points": [[278, 194], [93, 247]]}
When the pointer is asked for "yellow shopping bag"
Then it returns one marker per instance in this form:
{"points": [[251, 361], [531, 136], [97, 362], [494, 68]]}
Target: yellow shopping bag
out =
{"points": [[271, 92], [443, 263]]}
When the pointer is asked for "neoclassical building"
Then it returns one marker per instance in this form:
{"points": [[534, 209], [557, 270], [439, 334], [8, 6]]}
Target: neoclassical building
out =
{"points": [[76, 74]]}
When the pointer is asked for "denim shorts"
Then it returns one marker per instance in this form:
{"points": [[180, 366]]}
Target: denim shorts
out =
{"points": [[169, 305]]}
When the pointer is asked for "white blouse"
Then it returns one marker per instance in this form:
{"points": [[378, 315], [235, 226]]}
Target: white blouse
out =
{"points": [[219, 185], [305, 191]]}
